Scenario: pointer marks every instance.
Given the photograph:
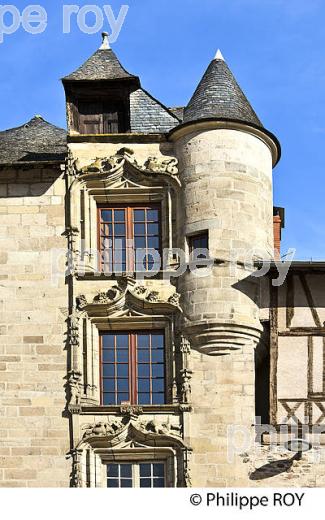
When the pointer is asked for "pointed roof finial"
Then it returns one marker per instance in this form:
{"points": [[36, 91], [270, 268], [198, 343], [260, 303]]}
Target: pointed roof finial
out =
{"points": [[219, 56], [105, 45]]}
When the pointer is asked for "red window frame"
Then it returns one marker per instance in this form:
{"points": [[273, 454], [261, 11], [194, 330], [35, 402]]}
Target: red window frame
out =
{"points": [[133, 368], [129, 233]]}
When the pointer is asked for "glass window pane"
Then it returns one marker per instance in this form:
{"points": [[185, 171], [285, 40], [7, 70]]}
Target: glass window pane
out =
{"points": [[122, 385], [153, 243], [122, 341], [127, 483], [140, 243], [108, 341], [159, 483], [153, 215], [153, 229], [119, 215], [143, 356], [112, 483], [157, 341], [119, 244], [108, 356], [143, 385], [122, 370], [158, 385], [158, 398], [112, 470], [158, 470], [126, 470], [144, 370], [108, 370], [157, 356], [143, 340], [122, 356], [122, 397], [139, 215], [158, 371], [145, 470], [143, 399], [107, 215], [109, 385], [109, 399], [119, 229], [139, 229], [145, 483]]}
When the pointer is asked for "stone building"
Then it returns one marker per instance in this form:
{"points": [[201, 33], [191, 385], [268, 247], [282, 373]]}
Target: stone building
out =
{"points": [[128, 357]]}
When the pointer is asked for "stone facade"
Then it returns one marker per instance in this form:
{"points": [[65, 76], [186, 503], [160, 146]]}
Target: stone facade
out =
{"points": [[34, 426], [236, 346]]}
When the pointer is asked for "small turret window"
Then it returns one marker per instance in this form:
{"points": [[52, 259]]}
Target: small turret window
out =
{"points": [[199, 248]]}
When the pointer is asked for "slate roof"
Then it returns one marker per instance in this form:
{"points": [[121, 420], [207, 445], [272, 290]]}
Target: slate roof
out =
{"points": [[218, 95], [102, 65], [148, 115], [35, 141], [178, 112]]}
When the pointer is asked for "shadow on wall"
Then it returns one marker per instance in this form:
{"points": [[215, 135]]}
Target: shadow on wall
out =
{"points": [[273, 468], [27, 181]]}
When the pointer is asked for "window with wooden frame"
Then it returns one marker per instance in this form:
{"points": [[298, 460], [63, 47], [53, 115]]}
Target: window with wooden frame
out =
{"points": [[129, 238], [102, 117], [136, 474], [133, 368]]}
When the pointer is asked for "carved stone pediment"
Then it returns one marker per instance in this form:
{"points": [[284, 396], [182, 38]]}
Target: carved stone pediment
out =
{"points": [[118, 432], [128, 298], [123, 169]]}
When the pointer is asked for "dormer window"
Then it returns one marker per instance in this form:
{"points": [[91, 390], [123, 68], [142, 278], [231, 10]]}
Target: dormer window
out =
{"points": [[102, 117]]}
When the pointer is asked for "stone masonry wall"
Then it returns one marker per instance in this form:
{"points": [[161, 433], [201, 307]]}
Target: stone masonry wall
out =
{"points": [[34, 434]]}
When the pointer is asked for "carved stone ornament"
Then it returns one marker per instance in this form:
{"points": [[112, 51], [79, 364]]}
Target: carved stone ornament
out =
{"points": [[132, 412], [186, 376], [126, 288], [152, 165], [115, 428], [73, 328], [75, 390], [174, 299], [103, 429], [82, 301], [160, 429], [161, 165], [76, 475]]}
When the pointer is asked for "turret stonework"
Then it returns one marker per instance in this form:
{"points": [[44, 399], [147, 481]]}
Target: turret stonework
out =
{"points": [[139, 346]]}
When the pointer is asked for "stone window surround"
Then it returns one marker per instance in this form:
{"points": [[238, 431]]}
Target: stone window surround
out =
{"points": [[84, 219], [91, 344], [95, 459]]}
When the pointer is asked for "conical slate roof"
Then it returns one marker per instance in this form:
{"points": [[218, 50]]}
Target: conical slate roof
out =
{"points": [[35, 141], [218, 95], [102, 65]]}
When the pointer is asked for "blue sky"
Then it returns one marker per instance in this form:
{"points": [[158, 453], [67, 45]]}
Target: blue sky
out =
{"points": [[275, 48]]}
